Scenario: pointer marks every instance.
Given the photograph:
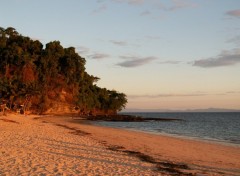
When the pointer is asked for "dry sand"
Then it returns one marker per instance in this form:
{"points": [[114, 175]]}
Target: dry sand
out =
{"points": [[50, 145]]}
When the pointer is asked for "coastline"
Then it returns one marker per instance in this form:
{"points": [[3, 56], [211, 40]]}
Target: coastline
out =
{"points": [[210, 127], [199, 157], [178, 136], [170, 148]]}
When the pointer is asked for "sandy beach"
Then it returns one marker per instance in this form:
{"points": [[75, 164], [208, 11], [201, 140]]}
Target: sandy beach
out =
{"points": [[58, 145]]}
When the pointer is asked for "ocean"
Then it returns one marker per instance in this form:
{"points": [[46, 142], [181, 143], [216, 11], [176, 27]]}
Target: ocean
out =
{"points": [[221, 127]]}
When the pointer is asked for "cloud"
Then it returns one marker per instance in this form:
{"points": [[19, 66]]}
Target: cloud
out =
{"points": [[132, 2], [226, 58], [100, 9], [234, 13], [153, 37], [100, 1], [132, 61], [233, 92], [153, 3], [87, 52], [193, 94], [119, 43], [234, 40], [181, 4], [145, 13], [82, 50], [167, 95], [99, 56], [157, 4], [169, 62]]}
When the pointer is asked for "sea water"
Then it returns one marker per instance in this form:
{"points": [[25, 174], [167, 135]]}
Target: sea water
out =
{"points": [[219, 127]]}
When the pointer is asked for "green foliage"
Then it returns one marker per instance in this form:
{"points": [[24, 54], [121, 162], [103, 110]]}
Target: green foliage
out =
{"points": [[28, 69]]}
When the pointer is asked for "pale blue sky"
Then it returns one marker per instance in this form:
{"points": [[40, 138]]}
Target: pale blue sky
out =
{"points": [[174, 54]]}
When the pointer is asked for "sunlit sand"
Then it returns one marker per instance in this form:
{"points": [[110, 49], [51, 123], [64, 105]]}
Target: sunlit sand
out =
{"points": [[47, 145]]}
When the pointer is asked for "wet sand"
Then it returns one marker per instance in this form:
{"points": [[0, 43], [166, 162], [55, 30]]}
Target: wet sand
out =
{"points": [[58, 145]]}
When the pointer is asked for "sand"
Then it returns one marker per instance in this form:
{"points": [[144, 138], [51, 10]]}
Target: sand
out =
{"points": [[53, 145]]}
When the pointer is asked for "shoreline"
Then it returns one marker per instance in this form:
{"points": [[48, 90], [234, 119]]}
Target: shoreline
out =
{"points": [[147, 143], [193, 141], [164, 134], [206, 140], [165, 153], [220, 138]]}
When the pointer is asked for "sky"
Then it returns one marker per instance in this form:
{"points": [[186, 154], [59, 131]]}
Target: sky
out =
{"points": [[163, 54]]}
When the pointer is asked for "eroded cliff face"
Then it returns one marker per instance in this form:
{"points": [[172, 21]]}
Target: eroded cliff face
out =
{"points": [[61, 108], [62, 103]]}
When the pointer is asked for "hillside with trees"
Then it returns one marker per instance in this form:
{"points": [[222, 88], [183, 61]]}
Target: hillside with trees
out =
{"points": [[37, 78]]}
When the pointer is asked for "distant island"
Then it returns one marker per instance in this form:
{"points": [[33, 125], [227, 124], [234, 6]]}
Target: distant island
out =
{"points": [[49, 79]]}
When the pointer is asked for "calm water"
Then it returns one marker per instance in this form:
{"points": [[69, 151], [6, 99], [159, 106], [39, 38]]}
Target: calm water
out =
{"points": [[221, 127]]}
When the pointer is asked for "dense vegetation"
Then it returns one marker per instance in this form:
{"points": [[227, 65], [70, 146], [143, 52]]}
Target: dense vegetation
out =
{"points": [[41, 76]]}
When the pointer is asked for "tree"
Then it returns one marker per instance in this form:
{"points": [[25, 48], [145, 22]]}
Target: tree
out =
{"points": [[27, 69], [11, 32]]}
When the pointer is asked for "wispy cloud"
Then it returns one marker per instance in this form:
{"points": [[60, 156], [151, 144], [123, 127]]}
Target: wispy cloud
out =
{"points": [[233, 92], [100, 1], [169, 62], [226, 58], [153, 7], [132, 61], [100, 9], [87, 52], [153, 37], [234, 13], [99, 56], [145, 13], [132, 2], [82, 50], [172, 95], [167, 95], [235, 40], [175, 4], [119, 43], [181, 4]]}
